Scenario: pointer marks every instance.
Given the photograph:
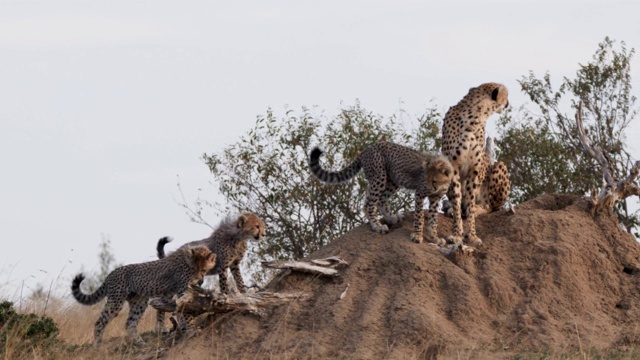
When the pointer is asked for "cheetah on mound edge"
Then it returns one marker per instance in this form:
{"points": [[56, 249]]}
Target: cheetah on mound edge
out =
{"points": [[463, 143]]}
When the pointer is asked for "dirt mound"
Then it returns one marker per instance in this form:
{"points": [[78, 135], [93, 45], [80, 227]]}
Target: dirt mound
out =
{"points": [[549, 278]]}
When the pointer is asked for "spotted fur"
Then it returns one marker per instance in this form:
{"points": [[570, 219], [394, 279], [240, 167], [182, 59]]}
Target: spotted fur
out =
{"points": [[136, 283], [388, 167], [463, 138]]}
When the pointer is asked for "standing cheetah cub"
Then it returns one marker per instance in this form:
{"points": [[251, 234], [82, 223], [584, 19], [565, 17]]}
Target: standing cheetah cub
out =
{"points": [[136, 283], [463, 143], [387, 167]]}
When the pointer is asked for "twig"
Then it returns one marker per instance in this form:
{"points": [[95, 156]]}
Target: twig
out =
{"points": [[342, 295], [196, 215]]}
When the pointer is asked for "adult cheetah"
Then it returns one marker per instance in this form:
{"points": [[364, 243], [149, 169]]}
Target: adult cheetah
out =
{"points": [[463, 138]]}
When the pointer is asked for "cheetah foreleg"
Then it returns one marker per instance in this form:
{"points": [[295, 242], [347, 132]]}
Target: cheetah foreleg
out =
{"points": [[471, 191], [432, 220], [454, 194], [418, 219], [237, 276], [137, 306]]}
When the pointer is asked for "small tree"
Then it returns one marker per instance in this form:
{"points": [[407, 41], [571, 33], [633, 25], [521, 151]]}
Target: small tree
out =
{"points": [[267, 172], [603, 86], [534, 155], [107, 264]]}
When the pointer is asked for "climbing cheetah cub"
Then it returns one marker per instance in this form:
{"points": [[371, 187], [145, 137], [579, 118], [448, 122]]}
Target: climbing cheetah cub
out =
{"points": [[136, 283], [463, 143], [387, 167], [229, 242]]}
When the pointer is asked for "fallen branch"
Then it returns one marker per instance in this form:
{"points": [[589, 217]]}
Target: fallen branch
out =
{"points": [[325, 266], [199, 301]]}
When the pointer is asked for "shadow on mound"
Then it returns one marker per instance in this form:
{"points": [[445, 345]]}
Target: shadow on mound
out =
{"points": [[549, 278]]}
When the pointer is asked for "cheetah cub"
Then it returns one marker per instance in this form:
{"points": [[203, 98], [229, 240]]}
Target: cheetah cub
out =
{"points": [[463, 143], [136, 283], [387, 167]]}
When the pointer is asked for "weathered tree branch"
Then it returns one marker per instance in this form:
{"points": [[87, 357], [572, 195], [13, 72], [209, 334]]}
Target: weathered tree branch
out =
{"points": [[489, 149], [198, 301], [614, 190], [325, 266]]}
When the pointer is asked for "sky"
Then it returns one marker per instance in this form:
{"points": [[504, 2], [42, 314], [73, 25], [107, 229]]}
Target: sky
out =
{"points": [[106, 105]]}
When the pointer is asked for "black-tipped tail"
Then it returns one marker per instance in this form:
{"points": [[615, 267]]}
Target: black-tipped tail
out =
{"points": [[86, 299], [160, 247], [331, 177]]}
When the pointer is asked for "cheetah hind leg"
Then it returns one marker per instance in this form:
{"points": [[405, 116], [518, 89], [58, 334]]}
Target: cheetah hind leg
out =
{"points": [[389, 218], [370, 211]]}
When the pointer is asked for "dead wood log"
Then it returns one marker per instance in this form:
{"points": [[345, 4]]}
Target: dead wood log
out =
{"points": [[326, 266], [198, 301], [614, 189]]}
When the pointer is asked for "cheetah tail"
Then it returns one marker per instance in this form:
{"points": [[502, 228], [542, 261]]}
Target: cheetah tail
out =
{"points": [[160, 247], [332, 177], [87, 299]]}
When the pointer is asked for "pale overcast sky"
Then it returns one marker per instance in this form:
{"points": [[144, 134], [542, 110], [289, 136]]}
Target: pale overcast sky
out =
{"points": [[104, 103]]}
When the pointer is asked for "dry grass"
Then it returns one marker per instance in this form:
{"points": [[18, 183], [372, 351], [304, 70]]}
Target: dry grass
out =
{"points": [[76, 333], [75, 323]]}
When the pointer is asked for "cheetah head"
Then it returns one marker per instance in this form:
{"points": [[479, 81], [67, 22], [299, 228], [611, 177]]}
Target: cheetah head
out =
{"points": [[496, 93], [251, 226], [202, 260], [439, 174]]}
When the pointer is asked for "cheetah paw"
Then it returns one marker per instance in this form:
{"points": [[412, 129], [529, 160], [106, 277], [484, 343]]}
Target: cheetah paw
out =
{"points": [[380, 228], [416, 238], [473, 240]]}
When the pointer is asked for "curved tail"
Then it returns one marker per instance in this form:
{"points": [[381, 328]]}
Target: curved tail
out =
{"points": [[160, 247], [87, 299], [332, 177]]}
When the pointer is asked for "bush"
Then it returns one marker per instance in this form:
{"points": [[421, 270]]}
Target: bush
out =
{"points": [[24, 331]]}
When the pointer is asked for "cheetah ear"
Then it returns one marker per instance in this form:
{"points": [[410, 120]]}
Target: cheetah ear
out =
{"points": [[211, 257], [442, 165], [494, 94], [241, 220]]}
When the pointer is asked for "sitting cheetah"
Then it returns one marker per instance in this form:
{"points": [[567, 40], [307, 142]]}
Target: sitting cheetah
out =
{"points": [[463, 144], [136, 283], [229, 243], [387, 167], [494, 190]]}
